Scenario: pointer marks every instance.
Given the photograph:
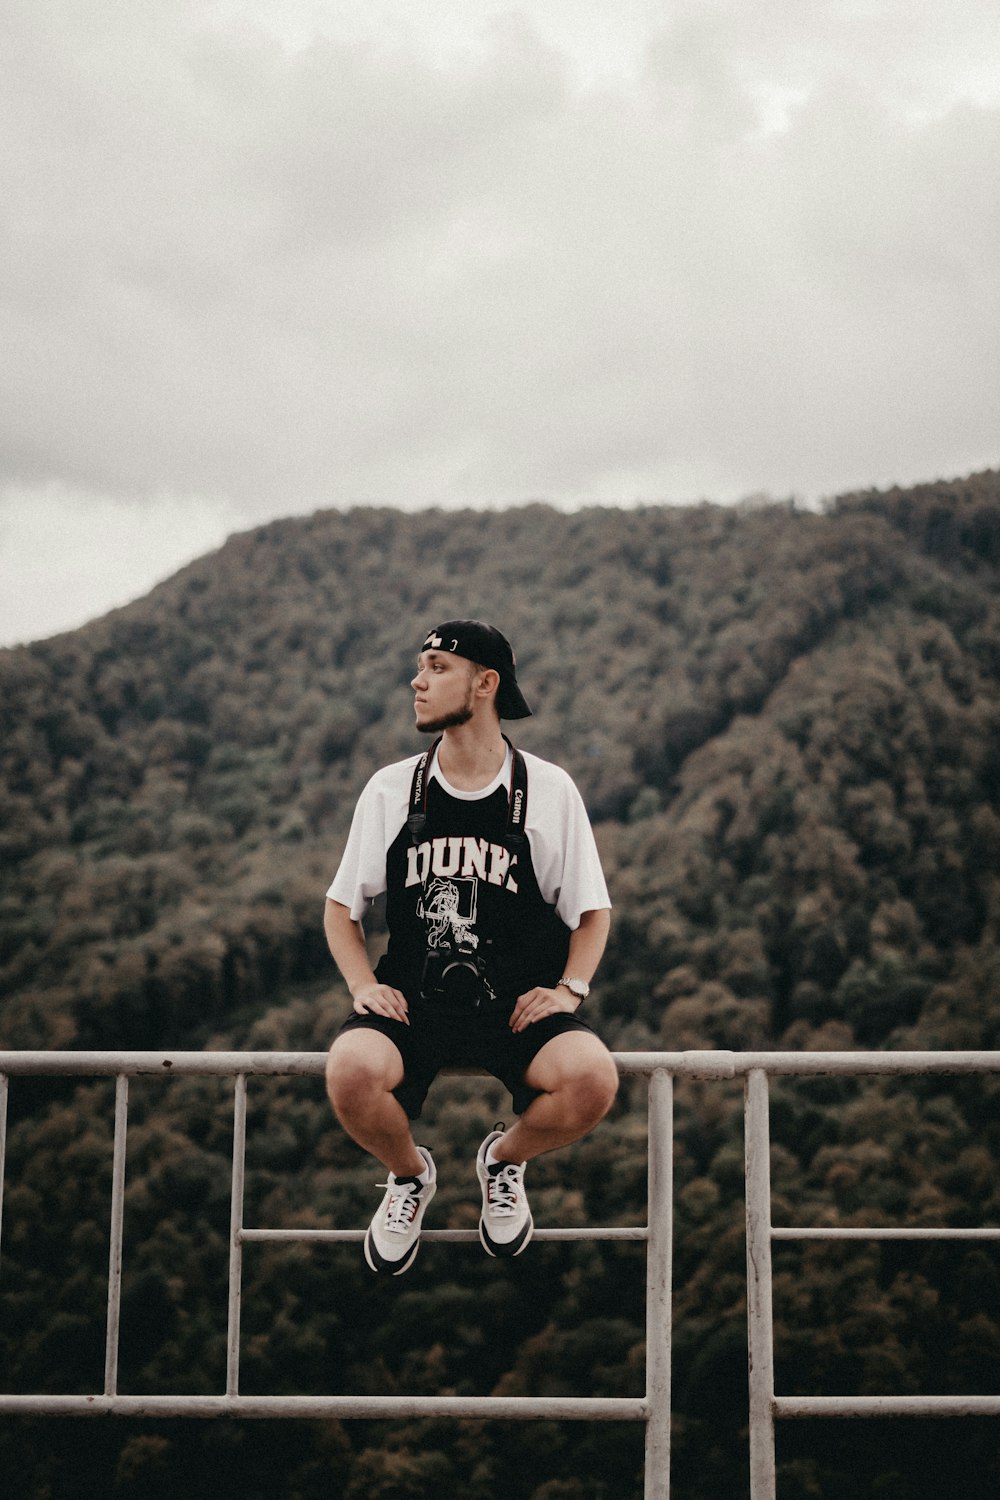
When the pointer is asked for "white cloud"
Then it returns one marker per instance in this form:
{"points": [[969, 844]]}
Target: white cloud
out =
{"points": [[68, 556], [310, 253]]}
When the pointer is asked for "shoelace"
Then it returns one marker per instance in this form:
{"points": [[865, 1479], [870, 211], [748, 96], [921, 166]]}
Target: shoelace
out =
{"points": [[502, 1190], [404, 1200]]}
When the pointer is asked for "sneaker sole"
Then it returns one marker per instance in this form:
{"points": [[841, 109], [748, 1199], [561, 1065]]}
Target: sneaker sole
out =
{"points": [[513, 1247], [384, 1267]]}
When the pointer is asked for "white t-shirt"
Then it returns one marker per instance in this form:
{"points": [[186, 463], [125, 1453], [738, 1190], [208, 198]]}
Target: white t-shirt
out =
{"points": [[563, 852]]}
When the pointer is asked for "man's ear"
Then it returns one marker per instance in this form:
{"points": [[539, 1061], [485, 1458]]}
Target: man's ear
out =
{"points": [[488, 684]]}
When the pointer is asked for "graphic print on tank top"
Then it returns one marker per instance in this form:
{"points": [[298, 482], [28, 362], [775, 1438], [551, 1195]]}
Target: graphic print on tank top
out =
{"points": [[449, 910]]}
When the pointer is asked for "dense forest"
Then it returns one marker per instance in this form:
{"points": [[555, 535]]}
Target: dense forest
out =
{"points": [[786, 727]]}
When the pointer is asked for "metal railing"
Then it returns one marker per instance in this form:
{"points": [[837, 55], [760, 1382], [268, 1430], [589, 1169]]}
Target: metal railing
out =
{"points": [[653, 1409], [765, 1406]]}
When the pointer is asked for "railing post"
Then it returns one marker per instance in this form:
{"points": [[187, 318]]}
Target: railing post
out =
{"points": [[760, 1331], [235, 1236], [659, 1262], [115, 1252], [3, 1138]]}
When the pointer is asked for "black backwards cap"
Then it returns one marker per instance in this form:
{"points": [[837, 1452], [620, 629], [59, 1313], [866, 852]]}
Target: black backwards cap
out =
{"points": [[484, 645]]}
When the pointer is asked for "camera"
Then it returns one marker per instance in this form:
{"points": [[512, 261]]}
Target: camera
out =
{"points": [[455, 975]]}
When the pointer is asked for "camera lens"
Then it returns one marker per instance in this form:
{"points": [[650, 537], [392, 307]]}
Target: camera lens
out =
{"points": [[461, 983]]}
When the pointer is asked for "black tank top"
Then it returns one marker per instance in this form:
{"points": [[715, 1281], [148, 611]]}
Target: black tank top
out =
{"points": [[457, 887]]}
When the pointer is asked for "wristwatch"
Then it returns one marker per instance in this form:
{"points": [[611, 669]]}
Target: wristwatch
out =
{"points": [[578, 987]]}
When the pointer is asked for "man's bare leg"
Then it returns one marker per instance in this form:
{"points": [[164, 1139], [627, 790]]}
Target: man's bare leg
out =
{"points": [[578, 1081], [362, 1069]]}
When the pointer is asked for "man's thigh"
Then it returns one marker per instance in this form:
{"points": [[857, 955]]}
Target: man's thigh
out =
{"points": [[366, 1051], [568, 1057]]}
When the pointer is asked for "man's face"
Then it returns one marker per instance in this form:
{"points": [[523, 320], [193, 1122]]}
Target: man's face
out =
{"points": [[443, 691]]}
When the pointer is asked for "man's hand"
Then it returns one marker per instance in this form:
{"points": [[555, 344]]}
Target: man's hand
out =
{"points": [[540, 1002], [381, 1000]]}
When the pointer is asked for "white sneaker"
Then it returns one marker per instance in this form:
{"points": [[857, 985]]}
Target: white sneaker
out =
{"points": [[505, 1225], [393, 1237]]}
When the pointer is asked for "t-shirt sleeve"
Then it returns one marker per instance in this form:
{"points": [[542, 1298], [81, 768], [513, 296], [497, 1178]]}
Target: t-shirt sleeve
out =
{"points": [[563, 849], [378, 817]]}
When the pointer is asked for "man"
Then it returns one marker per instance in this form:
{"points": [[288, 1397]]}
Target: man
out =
{"points": [[498, 915]]}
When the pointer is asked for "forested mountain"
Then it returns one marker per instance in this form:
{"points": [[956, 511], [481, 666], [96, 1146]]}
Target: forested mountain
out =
{"points": [[786, 726]]}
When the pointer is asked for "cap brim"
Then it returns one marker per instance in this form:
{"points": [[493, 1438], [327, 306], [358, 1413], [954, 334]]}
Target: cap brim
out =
{"points": [[510, 702]]}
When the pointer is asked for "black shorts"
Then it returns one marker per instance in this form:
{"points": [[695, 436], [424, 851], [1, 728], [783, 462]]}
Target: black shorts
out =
{"points": [[437, 1039]]}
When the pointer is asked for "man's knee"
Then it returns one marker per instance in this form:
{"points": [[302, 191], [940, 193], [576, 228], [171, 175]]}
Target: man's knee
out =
{"points": [[596, 1086], [360, 1067], [582, 1070]]}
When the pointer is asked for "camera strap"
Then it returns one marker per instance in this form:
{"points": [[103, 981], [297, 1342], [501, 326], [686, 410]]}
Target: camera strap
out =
{"points": [[517, 798]]}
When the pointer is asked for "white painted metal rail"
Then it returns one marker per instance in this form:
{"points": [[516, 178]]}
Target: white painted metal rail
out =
{"points": [[653, 1409], [765, 1406]]}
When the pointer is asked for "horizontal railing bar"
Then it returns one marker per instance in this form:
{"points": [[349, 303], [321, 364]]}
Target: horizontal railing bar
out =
{"points": [[453, 1236], [694, 1064], [166, 1064], [885, 1234], [887, 1406], [808, 1064], [502, 1408]]}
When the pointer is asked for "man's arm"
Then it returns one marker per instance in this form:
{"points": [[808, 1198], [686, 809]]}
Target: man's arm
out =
{"points": [[587, 943], [346, 940], [586, 947]]}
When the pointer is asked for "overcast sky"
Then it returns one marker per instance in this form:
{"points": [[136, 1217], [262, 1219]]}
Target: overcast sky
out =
{"points": [[261, 256]]}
